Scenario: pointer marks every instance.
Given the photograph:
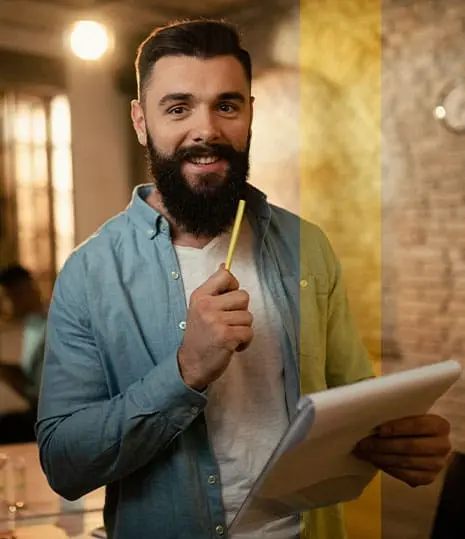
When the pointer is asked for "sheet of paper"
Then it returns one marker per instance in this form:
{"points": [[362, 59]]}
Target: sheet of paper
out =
{"points": [[313, 466]]}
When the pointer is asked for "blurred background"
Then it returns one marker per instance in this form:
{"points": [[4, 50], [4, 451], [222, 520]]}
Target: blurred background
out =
{"points": [[359, 126]]}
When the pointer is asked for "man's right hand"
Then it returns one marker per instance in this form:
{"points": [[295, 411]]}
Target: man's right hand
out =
{"points": [[218, 324]]}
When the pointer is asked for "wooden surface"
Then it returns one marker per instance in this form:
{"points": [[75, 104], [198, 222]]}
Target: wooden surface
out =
{"points": [[41, 500], [77, 526], [405, 513]]}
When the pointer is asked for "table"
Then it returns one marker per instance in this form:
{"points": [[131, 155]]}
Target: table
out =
{"points": [[45, 510]]}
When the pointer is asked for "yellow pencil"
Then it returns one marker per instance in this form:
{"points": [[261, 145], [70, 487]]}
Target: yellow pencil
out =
{"points": [[235, 232]]}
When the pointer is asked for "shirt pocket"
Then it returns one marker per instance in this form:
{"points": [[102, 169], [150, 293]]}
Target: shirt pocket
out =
{"points": [[313, 283]]}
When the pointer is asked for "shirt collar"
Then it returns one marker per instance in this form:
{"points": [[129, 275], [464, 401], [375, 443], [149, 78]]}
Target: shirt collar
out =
{"points": [[152, 222], [142, 214]]}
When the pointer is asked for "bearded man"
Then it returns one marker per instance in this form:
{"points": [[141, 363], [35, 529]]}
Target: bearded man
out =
{"points": [[170, 379]]}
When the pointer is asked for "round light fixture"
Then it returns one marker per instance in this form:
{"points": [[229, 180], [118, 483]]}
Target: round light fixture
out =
{"points": [[89, 40], [450, 109]]}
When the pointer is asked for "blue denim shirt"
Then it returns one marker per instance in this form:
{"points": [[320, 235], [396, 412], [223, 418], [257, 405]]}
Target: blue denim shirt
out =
{"points": [[114, 409]]}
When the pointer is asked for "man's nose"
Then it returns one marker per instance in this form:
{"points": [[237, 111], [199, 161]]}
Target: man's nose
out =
{"points": [[206, 128]]}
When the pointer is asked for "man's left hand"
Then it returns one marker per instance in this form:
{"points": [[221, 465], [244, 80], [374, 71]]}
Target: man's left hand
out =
{"points": [[412, 449]]}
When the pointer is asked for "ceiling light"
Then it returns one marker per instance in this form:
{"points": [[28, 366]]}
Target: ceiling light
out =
{"points": [[89, 40]]}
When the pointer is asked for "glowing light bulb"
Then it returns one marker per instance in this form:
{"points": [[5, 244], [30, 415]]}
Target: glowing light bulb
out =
{"points": [[89, 40], [440, 112]]}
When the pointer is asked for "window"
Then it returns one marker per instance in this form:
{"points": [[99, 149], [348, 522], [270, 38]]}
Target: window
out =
{"points": [[36, 186]]}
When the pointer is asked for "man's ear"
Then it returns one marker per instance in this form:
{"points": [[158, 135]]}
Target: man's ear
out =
{"points": [[252, 101], [138, 121]]}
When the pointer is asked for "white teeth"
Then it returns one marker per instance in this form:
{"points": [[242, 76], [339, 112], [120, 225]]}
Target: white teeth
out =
{"points": [[204, 160]]}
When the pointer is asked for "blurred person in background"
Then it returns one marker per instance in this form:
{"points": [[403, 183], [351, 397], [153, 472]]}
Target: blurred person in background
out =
{"points": [[27, 309], [165, 379], [449, 522]]}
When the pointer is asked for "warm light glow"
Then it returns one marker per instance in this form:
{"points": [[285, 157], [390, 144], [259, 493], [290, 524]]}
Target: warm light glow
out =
{"points": [[89, 40], [61, 122], [62, 179], [440, 112]]}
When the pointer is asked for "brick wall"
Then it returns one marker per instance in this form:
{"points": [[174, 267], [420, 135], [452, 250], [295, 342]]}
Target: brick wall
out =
{"points": [[353, 164], [388, 189], [424, 191]]}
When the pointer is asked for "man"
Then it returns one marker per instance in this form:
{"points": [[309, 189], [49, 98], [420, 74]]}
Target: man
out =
{"points": [[27, 309], [164, 378]]}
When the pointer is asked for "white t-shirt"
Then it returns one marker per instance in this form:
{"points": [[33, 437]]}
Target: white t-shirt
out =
{"points": [[246, 413]]}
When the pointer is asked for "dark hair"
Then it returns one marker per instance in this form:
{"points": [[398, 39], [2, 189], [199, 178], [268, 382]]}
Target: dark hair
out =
{"points": [[14, 274], [201, 38]]}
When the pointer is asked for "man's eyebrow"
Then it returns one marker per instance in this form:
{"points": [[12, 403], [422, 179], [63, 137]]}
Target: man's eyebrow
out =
{"points": [[174, 97], [232, 96], [180, 96]]}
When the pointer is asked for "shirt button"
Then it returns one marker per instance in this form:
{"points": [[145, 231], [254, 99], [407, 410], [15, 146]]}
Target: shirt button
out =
{"points": [[194, 410], [174, 275], [211, 479], [182, 325], [150, 232], [303, 283], [219, 530]]}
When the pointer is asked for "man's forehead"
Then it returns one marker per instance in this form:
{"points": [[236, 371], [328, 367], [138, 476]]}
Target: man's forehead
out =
{"points": [[186, 74]]}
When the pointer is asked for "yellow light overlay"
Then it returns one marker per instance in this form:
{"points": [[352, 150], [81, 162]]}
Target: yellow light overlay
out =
{"points": [[340, 186]]}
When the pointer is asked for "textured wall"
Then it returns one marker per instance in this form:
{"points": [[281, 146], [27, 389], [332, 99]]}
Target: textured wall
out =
{"points": [[316, 151], [316, 138], [370, 142], [424, 191], [421, 266], [341, 173]]}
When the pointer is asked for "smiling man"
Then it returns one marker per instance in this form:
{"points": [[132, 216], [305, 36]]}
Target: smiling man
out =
{"points": [[167, 378], [197, 141]]}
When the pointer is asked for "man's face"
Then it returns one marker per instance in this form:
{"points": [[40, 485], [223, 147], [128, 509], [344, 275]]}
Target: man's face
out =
{"points": [[195, 126]]}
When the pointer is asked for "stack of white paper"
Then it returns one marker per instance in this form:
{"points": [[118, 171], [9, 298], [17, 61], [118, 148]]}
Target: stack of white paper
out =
{"points": [[313, 465]]}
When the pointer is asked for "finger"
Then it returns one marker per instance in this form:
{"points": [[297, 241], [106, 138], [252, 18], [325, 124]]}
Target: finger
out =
{"points": [[238, 300], [236, 318], [424, 425], [218, 283], [405, 462], [421, 446], [241, 337], [414, 478]]}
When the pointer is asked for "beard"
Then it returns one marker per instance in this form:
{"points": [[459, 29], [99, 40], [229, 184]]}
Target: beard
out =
{"points": [[208, 208]]}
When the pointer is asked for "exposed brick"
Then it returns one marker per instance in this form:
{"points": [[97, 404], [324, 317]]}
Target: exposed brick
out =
{"points": [[423, 165]]}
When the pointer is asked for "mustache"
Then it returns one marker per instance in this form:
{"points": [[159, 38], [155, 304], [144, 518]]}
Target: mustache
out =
{"points": [[221, 151]]}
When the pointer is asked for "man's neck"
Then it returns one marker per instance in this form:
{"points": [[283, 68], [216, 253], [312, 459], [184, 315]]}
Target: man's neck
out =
{"points": [[178, 236]]}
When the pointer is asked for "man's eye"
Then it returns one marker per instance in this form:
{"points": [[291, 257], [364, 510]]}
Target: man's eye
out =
{"points": [[178, 110], [227, 107]]}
